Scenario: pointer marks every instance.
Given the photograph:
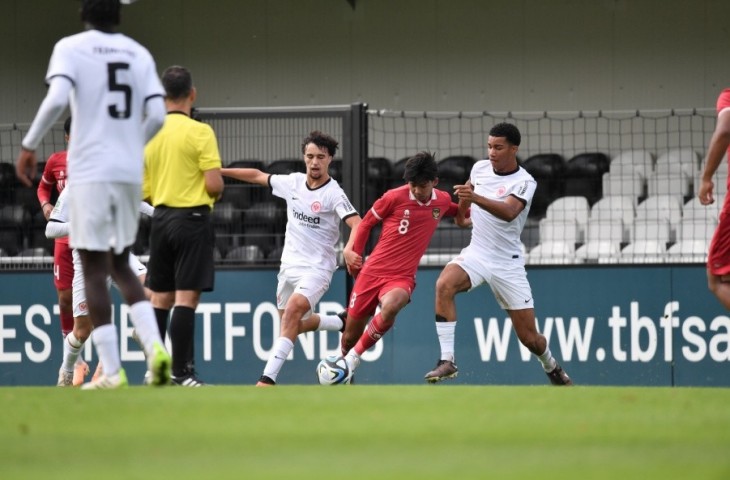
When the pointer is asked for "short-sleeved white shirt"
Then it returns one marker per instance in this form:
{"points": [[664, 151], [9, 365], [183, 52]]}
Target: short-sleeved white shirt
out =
{"points": [[313, 220], [495, 238], [112, 76]]}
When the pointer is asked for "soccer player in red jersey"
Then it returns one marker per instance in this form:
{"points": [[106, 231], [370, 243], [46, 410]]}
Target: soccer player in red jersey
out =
{"points": [[718, 260], [409, 216], [54, 176]]}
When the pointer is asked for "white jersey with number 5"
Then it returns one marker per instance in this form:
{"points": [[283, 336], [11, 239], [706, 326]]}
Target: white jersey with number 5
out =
{"points": [[313, 220], [112, 76]]}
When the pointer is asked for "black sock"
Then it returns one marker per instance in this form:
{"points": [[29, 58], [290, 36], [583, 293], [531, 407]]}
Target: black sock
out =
{"points": [[161, 315], [182, 337]]}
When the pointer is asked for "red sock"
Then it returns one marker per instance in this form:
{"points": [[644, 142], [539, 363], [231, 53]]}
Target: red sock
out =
{"points": [[67, 322], [375, 331]]}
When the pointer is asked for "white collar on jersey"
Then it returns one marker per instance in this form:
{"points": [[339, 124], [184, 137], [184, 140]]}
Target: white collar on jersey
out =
{"points": [[412, 197]]}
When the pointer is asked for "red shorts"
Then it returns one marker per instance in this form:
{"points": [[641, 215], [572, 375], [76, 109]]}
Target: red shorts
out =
{"points": [[63, 266], [718, 259], [368, 290]]}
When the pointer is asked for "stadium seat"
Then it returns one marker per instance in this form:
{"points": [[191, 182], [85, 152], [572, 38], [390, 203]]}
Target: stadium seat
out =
{"points": [[599, 251], [584, 175], [688, 251], [571, 208], [676, 183], [615, 208], [555, 230], [551, 253], [608, 229], [657, 229], [679, 159], [547, 169], [629, 184], [662, 207], [633, 162], [644, 251]]}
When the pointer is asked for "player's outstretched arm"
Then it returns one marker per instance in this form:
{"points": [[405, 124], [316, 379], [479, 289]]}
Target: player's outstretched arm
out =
{"points": [[248, 175]]}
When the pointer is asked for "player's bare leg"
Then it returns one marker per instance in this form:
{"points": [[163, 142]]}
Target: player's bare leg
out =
{"points": [[523, 321], [452, 280]]}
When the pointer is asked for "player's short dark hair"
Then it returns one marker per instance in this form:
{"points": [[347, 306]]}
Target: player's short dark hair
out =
{"points": [[67, 126], [322, 140], [508, 131], [177, 81], [421, 168], [100, 13]]}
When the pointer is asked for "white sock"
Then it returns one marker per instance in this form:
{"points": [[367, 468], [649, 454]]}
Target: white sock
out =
{"points": [[106, 341], [547, 360], [329, 322], [282, 347], [446, 332], [353, 360], [71, 349], [145, 325]]}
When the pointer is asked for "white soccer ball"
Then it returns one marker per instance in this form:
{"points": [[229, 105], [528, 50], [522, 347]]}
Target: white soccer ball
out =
{"points": [[333, 370]]}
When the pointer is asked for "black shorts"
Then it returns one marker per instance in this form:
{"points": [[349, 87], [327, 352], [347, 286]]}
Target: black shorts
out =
{"points": [[181, 250]]}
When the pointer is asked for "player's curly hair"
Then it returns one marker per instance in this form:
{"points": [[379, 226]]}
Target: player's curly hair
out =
{"points": [[421, 168], [177, 82], [508, 131], [100, 13], [322, 140]]}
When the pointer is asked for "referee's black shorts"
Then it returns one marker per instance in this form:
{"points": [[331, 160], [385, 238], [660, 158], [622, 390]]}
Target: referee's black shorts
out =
{"points": [[181, 250]]}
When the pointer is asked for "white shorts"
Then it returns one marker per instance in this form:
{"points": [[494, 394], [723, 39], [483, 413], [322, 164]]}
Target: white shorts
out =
{"points": [[507, 279], [79, 289], [103, 216], [310, 282]]}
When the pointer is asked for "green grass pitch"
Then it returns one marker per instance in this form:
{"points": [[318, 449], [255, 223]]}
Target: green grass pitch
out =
{"points": [[366, 432]]}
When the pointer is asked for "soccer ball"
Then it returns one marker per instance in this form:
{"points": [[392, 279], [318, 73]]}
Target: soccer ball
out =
{"points": [[333, 370]]}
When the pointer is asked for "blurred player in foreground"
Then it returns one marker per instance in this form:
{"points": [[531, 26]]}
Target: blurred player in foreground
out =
{"points": [[315, 205], [116, 102], [58, 227], [499, 192], [410, 215], [718, 259]]}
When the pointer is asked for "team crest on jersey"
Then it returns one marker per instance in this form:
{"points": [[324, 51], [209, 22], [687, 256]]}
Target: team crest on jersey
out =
{"points": [[316, 207], [435, 213], [501, 191]]}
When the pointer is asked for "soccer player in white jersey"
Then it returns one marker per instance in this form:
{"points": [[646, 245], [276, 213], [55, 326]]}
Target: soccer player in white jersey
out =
{"points": [[499, 193], [315, 204], [57, 227], [116, 100]]}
